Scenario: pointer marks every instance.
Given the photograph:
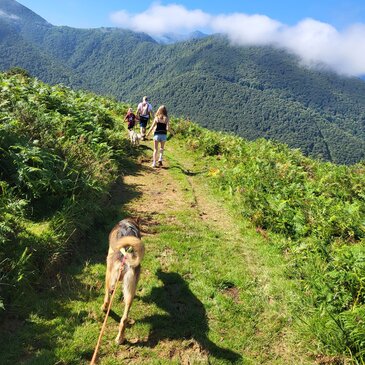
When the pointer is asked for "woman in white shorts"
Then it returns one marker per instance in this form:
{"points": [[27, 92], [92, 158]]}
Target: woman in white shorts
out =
{"points": [[160, 126]]}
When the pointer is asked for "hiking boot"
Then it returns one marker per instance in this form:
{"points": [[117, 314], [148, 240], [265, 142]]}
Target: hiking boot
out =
{"points": [[153, 165], [159, 163]]}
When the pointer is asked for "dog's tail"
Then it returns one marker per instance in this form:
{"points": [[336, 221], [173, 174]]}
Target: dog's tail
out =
{"points": [[134, 255]]}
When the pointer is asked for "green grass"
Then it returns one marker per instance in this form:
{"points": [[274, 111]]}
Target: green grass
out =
{"points": [[209, 292], [316, 210], [269, 299], [214, 289]]}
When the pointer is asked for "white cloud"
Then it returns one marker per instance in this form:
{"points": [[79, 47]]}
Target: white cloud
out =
{"points": [[246, 29], [351, 50], [313, 41], [159, 20]]}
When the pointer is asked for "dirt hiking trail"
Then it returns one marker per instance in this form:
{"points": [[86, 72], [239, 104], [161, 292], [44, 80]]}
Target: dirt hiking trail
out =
{"points": [[175, 201]]}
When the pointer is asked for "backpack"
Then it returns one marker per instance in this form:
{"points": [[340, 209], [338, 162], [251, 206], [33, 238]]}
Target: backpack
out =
{"points": [[144, 109]]}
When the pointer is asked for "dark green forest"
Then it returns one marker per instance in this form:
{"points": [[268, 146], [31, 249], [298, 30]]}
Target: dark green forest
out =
{"points": [[250, 91]]}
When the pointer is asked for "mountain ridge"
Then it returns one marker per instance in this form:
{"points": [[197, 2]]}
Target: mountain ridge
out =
{"points": [[250, 91]]}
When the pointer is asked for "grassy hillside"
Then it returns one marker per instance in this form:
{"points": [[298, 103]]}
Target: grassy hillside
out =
{"points": [[319, 209], [60, 153], [292, 291], [251, 91]]}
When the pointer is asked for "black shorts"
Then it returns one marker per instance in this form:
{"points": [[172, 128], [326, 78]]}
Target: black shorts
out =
{"points": [[143, 122]]}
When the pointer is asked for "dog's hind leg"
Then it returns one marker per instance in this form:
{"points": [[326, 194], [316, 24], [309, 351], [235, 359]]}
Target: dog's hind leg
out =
{"points": [[108, 289], [129, 290]]}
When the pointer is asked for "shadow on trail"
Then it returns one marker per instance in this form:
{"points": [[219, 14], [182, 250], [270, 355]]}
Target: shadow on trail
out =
{"points": [[188, 172], [185, 319], [113, 210]]}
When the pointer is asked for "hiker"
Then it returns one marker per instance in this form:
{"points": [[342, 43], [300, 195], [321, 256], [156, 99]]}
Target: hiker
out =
{"points": [[144, 113], [130, 118], [160, 126]]}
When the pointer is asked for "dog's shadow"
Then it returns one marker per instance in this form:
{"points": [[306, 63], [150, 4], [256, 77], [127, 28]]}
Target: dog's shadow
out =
{"points": [[188, 172], [185, 317]]}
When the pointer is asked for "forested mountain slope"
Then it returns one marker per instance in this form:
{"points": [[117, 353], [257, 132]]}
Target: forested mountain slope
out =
{"points": [[251, 91]]}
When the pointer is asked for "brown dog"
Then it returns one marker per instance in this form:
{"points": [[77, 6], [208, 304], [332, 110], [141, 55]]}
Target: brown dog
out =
{"points": [[124, 241]]}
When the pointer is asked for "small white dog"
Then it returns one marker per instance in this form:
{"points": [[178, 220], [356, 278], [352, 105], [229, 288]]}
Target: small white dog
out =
{"points": [[134, 137]]}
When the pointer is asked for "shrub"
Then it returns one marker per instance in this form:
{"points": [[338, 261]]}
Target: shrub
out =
{"points": [[59, 158]]}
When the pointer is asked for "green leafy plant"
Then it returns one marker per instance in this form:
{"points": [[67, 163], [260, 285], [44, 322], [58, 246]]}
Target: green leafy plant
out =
{"points": [[59, 157]]}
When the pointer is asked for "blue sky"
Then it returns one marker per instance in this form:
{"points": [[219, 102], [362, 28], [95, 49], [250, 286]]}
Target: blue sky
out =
{"points": [[95, 13], [330, 33]]}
